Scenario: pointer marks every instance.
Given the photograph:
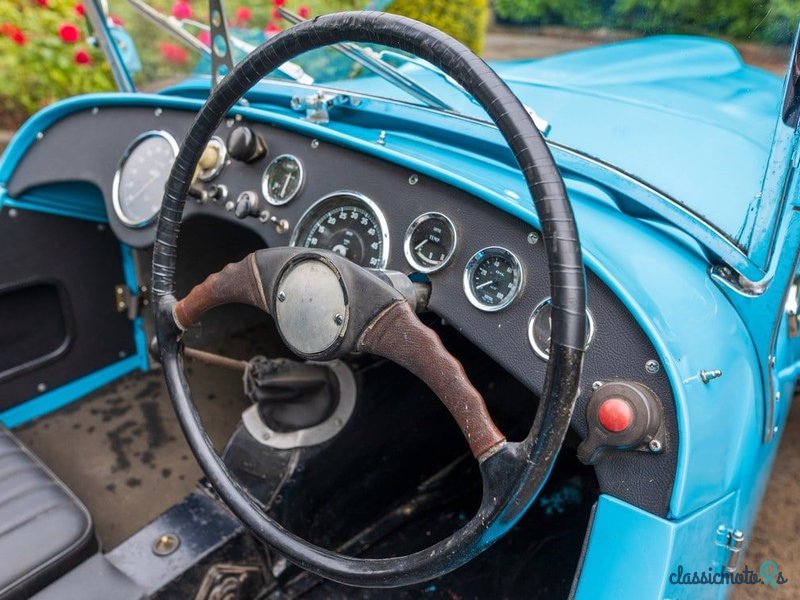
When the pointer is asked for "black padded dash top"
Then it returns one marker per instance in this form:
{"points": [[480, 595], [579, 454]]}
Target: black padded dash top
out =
{"points": [[44, 529]]}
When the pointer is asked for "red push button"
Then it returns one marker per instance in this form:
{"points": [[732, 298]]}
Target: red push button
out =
{"points": [[615, 414]]}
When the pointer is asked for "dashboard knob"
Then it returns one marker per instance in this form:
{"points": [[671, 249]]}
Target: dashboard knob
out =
{"points": [[246, 145], [246, 205]]}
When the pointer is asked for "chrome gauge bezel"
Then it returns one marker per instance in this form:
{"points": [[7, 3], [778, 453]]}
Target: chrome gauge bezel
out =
{"points": [[222, 154], [408, 251], [469, 271], [265, 181], [544, 353], [356, 197], [115, 191]]}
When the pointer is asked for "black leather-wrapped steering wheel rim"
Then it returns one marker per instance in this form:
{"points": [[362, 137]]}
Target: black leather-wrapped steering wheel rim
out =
{"points": [[515, 472]]}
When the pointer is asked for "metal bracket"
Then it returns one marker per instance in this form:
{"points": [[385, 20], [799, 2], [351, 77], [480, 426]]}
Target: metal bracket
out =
{"points": [[731, 541], [129, 303], [221, 57], [317, 106]]}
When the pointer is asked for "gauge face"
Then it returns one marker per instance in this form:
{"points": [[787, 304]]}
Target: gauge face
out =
{"points": [[282, 179], [492, 279], [430, 242], [350, 225], [540, 327], [141, 176]]}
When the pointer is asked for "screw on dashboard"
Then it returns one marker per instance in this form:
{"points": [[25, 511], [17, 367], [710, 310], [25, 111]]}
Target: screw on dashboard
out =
{"points": [[652, 366]]}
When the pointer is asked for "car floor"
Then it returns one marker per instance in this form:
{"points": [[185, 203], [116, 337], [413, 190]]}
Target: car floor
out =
{"points": [[121, 449]]}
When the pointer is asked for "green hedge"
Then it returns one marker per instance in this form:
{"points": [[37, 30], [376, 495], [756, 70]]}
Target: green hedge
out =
{"points": [[771, 21]]}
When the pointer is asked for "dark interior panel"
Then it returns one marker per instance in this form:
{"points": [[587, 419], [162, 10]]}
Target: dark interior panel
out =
{"points": [[35, 331], [58, 319]]}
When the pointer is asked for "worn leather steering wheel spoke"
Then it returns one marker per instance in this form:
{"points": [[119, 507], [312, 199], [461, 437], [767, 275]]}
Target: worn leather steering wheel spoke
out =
{"points": [[325, 306], [366, 313]]}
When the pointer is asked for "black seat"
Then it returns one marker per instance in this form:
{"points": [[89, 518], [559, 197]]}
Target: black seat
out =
{"points": [[44, 529]]}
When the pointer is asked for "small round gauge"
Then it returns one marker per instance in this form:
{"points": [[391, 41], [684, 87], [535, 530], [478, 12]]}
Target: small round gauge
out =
{"points": [[539, 328], [282, 179], [142, 173], [492, 279], [430, 242], [346, 223]]}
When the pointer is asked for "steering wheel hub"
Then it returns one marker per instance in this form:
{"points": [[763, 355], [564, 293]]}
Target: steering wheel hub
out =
{"points": [[311, 306]]}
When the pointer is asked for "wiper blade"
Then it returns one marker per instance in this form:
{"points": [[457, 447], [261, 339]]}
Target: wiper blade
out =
{"points": [[370, 60]]}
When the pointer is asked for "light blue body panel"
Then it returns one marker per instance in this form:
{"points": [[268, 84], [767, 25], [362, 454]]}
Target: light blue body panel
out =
{"points": [[661, 273]]}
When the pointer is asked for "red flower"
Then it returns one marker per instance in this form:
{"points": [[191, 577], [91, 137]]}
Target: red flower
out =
{"points": [[182, 10], [271, 29], [205, 38], [276, 14], [8, 29], [68, 33], [243, 14], [82, 57], [116, 20], [42, 2], [79, 10], [279, 2], [19, 38], [304, 11], [174, 53]]}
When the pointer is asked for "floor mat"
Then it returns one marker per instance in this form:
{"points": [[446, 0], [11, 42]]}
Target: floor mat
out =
{"points": [[121, 449]]}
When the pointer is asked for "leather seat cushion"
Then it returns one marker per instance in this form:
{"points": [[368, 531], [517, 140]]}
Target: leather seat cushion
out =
{"points": [[44, 529]]}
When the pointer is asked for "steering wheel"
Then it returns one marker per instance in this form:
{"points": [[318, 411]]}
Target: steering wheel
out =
{"points": [[325, 306]]}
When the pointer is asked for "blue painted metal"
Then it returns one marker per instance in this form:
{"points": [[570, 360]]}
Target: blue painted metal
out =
{"points": [[631, 554], [75, 390]]}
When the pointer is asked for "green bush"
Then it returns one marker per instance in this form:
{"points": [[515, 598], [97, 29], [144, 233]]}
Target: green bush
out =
{"points": [[465, 20], [44, 55], [771, 21]]}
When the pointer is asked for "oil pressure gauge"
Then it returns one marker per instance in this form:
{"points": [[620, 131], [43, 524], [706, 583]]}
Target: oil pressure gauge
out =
{"points": [[492, 279], [430, 242], [282, 179]]}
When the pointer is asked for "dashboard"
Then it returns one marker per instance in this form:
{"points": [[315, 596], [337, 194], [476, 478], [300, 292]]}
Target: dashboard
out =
{"points": [[487, 268]]}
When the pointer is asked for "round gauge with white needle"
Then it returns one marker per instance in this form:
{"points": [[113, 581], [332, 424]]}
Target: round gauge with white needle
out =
{"points": [[282, 179], [492, 279], [430, 242], [142, 173], [540, 329]]}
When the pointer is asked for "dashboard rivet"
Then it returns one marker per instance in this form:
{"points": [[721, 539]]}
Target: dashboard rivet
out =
{"points": [[95, 110], [41, 388], [157, 112], [533, 238], [281, 296], [655, 446], [315, 144], [382, 138], [264, 216], [597, 385], [229, 123], [413, 179], [652, 366], [40, 135], [12, 212], [338, 319]]}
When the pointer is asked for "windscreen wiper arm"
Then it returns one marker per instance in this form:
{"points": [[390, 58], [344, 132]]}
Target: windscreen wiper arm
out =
{"points": [[367, 58]]}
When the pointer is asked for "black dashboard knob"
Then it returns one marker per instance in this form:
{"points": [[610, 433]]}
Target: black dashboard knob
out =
{"points": [[246, 145]]}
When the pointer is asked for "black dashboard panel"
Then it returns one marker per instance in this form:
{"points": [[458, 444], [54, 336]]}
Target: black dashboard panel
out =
{"points": [[619, 349]]}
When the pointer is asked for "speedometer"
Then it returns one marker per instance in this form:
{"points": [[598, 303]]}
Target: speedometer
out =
{"points": [[141, 176], [349, 224]]}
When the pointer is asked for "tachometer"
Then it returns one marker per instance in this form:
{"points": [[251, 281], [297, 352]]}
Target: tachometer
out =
{"points": [[141, 176], [492, 279], [539, 329], [349, 224]]}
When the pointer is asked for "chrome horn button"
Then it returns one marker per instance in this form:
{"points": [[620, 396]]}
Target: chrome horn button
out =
{"points": [[311, 306]]}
